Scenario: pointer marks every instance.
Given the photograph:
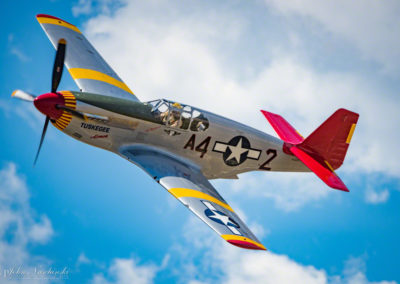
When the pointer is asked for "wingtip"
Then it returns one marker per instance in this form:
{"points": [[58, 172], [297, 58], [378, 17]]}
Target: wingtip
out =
{"points": [[47, 16], [243, 242], [13, 93], [246, 245], [38, 16]]}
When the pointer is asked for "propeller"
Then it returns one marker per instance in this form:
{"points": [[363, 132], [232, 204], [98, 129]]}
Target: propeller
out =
{"points": [[23, 95], [46, 123], [58, 65], [50, 103], [55, 81]]}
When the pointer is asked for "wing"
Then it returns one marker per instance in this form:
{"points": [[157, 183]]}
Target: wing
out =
{"points": [[186, 182], [88, 69]]}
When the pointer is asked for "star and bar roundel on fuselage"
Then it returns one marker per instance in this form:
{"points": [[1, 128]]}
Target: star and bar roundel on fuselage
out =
{"points": [[236, 151]]}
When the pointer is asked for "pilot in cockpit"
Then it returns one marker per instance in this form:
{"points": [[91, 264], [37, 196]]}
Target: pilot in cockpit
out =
{"points": [[174, 117]]}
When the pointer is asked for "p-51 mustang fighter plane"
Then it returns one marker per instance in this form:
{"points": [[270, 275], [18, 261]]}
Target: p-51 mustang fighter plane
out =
{"points": [[179, 146]]}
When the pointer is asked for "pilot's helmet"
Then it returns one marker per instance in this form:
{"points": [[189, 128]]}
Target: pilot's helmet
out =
{"points": [[177, 105]]}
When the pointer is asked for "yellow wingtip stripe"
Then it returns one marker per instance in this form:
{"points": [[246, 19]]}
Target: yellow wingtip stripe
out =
{"points": [[53, 21], [13, 93], [185, 192], [244, 239], [81, 73], [353, 126]]}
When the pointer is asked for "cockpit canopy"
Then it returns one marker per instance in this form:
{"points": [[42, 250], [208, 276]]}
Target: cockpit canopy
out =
{"points": [[179, 116]]}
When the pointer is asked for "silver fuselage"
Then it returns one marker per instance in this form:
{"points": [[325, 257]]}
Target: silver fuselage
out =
{"points": [[223, 150]]}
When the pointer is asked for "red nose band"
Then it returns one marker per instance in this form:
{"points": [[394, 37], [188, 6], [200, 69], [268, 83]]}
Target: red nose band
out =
{"points": [[46, 104]]}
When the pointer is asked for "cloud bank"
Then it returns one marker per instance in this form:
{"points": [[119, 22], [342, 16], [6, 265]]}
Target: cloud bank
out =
{"points": [[196, 54], [20, 227]]}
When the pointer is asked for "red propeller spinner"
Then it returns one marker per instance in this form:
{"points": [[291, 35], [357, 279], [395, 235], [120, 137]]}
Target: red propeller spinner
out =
{"points": [[48, 104]]}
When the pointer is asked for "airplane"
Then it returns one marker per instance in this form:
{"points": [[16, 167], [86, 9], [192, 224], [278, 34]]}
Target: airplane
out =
{"points": [[180, 146]]}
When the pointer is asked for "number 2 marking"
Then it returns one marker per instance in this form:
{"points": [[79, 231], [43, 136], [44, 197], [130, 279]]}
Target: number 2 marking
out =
{"points": [[271, 154]]}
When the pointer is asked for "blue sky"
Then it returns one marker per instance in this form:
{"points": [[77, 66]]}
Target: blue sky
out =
{"points": [[108, 222]]}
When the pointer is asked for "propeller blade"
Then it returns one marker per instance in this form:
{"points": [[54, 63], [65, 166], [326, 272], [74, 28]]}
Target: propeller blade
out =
{"points": [[46, 123], [23, 95], [72, 111], [58, 65]]}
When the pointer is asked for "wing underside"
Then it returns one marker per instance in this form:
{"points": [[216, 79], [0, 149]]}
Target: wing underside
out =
{"points": [[186, 183], [89, 70]]}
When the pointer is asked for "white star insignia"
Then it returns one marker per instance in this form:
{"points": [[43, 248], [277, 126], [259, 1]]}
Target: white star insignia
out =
{"points": [[237, 151]]}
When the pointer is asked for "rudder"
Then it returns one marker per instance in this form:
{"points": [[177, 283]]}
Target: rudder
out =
{"points": [[332, 138]]}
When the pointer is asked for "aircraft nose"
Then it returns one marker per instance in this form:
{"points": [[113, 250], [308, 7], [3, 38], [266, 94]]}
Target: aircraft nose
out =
{"points": [[46, 104]]}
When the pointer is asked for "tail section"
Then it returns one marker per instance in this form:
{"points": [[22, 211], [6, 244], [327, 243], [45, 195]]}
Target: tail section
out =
{"points": [[325, 149], [331, 140]]}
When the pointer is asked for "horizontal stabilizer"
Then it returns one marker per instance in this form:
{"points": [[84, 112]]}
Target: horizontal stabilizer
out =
{"points": [[285, 131], [326, 175]]}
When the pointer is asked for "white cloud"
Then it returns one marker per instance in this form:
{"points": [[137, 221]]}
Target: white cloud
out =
{"points": [[87, 7], [372, 26], [375, 197], [18, 225], [210, 261], [127, 271], [26, 111], [179, 53], [84, 7], [289, 191], [42, 231], [13, 49], [19, 54], [82, 259], [354, 273]]}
